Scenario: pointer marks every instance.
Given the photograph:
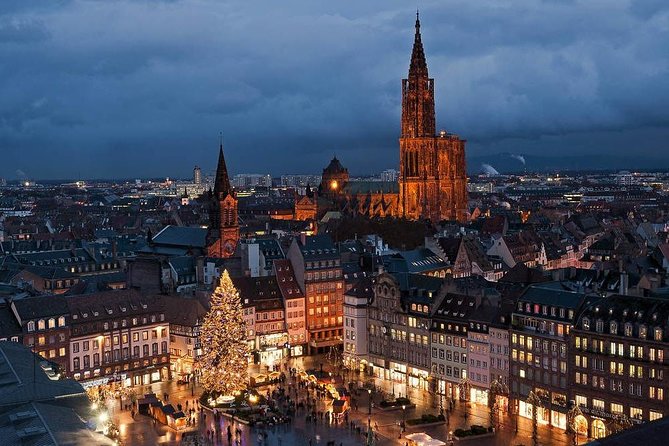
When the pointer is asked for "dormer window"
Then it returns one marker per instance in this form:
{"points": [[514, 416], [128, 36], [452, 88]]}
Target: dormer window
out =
{"points": [[643, 331], [613, 327], [40, 324], [31, 326], [586, 323], [599, 326], [628, 329], [658, 334], [61, 321]]}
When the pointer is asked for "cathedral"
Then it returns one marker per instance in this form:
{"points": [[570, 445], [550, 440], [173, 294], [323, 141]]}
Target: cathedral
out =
{"points": [[432, 179]]}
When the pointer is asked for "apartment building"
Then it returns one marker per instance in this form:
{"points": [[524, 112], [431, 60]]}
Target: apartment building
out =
{"points": [[317, 266], [118, 336], [619, 347]]}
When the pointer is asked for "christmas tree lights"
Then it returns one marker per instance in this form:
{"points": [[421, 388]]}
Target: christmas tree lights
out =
{"points": [[224, 361]]}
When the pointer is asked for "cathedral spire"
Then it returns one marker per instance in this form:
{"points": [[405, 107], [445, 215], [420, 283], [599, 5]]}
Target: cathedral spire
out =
{"points": [[222, 183], [418, 65]]}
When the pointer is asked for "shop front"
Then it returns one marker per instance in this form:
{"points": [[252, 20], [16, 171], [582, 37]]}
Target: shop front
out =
{"points": [[418, 379], [271, 349], [478, 396], [525, 410]]}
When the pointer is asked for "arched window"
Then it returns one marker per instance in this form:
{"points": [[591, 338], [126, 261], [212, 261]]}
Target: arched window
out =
{"points": [[31, 326], [586, 323]]}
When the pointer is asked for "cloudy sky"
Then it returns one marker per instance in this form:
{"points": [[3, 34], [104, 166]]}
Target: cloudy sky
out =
{"points": [[133, 88]]}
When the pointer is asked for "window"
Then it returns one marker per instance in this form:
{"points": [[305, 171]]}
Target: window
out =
{"points": [[31, 326], [75, 363], [658, 334], [614, 327], [581, 401], [597, 404], [75, 347], [86, 345], [586, 323], [655, 415], [636, 413], [40, 324], [52, 323], [616, 408]]}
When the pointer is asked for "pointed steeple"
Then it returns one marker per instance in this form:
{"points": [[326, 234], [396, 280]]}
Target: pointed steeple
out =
{"points": [[222, 182], [418, 66]]}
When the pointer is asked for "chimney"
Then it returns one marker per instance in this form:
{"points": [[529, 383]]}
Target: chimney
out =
{"points": [[624, 283]]}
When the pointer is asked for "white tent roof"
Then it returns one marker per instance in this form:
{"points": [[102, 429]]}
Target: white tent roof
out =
{"points": [[423, 439]]}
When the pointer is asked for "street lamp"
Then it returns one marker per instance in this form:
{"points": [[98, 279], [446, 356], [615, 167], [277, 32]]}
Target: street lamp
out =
{"points": [[404, 416], [369, 392]]}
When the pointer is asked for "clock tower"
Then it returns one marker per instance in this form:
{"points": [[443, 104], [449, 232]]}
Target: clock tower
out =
{"points": [[223, 229]]}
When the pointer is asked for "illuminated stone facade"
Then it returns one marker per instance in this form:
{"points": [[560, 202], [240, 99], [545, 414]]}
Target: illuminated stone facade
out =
{"points": [[224, 228], [433, 181]]}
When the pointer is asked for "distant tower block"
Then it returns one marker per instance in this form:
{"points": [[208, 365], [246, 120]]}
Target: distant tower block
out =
{"points": [[197, 175]]}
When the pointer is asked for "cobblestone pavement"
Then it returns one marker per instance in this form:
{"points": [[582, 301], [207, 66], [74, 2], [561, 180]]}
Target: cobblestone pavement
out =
{"points": [[142, 431]]}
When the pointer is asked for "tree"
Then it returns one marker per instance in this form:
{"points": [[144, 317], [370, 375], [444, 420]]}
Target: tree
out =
{"points": [[224, 360]]}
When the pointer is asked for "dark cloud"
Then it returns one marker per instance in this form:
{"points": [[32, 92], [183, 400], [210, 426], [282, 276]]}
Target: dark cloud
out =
{"points": [[142, 88]]}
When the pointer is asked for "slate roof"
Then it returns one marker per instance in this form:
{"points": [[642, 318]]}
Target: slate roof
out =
{"points": [[180, 236], [371, 187], [552, 295], [22, 378], [415, 261], [38, 307], [319, 247], [183, 311], [8, 325], [261, 292]]}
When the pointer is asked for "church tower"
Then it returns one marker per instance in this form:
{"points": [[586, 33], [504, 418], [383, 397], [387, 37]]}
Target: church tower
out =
{"points": [[432, 182], [223, 228]]}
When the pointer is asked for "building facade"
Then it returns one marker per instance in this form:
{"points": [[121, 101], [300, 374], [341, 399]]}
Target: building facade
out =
{"points": [[118, 337], [619, 345], [541, 325], [295, 305], [356, 341], [317, 266], [432, 178]]}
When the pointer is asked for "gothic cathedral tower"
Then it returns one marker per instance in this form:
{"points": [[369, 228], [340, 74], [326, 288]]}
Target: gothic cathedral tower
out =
{"points": [[223, 229], [433, 181]]}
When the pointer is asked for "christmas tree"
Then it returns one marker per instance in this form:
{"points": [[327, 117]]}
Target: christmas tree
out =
{"points": [[224, 360]]}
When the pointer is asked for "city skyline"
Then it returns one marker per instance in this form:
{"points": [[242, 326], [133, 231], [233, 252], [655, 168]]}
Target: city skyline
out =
{"points": [[141, 89]]}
